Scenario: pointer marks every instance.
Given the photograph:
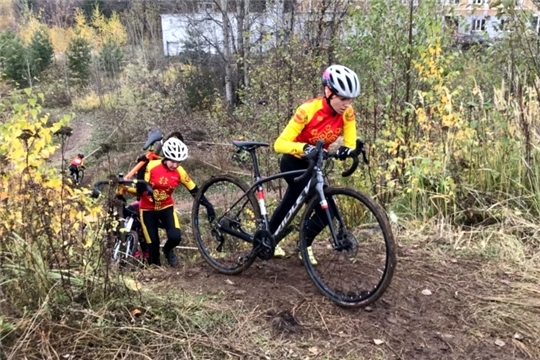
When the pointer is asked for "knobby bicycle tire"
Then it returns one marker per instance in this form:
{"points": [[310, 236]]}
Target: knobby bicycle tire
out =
{"points": [[360, 257], [223, 252]]}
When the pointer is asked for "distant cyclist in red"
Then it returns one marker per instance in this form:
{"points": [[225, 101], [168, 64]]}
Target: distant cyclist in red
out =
{"points": [[76, 164]]}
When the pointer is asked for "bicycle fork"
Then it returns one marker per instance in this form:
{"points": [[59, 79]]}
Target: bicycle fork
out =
{"points": [[339, 241]]}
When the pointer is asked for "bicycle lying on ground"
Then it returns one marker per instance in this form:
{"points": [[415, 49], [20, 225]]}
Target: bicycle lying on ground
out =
{"points": [[354, 244]]}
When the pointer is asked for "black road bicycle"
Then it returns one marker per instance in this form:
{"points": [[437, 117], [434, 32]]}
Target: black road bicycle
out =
{"points": [[349, 233], [124, 232]]}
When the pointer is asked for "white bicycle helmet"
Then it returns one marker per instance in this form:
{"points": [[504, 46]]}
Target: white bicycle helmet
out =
{"points": [[342, 81], [174, 149]]}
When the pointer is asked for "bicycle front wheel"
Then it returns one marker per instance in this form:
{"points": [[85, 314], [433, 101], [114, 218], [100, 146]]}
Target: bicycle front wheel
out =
{"points": [[236, 209], [127, 253], [356, 267]]}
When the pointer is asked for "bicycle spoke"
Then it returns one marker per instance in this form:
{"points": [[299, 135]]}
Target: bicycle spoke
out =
{"points": [[223, 251]]}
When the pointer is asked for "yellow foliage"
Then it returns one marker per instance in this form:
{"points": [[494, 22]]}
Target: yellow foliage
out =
{"points": [[100, 29], [60, 38], [92, 101], [110, 28], [438, 134], [34, 200], [30, 25], [88, 102], [84, 30]]}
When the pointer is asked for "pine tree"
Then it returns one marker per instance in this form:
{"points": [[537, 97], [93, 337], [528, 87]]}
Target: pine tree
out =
{"points": [[110, 58], [41, 51], [78, 61], [15, 62]]}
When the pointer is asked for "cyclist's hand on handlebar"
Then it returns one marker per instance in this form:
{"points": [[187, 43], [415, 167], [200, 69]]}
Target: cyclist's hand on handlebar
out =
{"points": [[308, 149], [344, 152], [310, 152]]}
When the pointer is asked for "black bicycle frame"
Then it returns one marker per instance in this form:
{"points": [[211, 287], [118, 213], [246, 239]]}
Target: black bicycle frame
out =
{"points": [[316, 178]]}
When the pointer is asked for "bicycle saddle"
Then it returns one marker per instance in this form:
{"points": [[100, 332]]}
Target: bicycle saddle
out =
{"points": [[249, 145], [153, 136]]}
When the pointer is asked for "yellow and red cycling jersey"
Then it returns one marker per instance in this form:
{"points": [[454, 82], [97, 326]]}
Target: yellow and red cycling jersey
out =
{"points": [[163, 181], [315, 120]]}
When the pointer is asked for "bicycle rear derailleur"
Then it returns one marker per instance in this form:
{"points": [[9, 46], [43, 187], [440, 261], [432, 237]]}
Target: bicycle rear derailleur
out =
{"points": [[264, 244]]}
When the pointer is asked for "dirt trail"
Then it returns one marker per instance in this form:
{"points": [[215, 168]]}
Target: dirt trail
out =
{"points": [[82, 131], [444, 325]]}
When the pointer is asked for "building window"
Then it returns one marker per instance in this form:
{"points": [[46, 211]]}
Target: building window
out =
{"points": [[479, 25], [206, 6]]}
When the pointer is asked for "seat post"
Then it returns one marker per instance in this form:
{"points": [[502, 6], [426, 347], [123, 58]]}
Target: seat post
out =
{"points": [[256, 171]]}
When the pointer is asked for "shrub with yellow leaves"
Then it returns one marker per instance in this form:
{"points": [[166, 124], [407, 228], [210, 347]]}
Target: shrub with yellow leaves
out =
{"points": [[48, 240]]}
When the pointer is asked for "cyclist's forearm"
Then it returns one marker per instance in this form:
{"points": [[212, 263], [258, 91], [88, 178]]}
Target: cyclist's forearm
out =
{"points": [[349, 131], [283, 146]]}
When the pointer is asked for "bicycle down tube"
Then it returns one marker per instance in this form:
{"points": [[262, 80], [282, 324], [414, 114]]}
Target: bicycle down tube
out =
{"points": [[262, 205]]}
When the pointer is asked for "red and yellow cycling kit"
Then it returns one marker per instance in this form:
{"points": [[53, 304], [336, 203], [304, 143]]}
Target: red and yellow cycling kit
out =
{"points": [[315, 120], [163, 181]]}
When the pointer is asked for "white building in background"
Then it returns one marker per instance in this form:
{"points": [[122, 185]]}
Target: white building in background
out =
{"points": [[264, 26], [207, 23], [473, 18], [478, 17]]}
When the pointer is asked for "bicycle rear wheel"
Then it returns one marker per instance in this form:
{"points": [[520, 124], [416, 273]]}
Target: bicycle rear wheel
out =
{"points": [[224, 252], [359, 269]]}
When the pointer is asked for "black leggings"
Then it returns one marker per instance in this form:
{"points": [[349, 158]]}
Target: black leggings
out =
{"points": [[74, 170], [150, 222], [317, 221]]}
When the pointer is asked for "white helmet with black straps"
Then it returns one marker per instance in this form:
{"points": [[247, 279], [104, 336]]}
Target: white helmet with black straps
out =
{"points": [[174, 149], [342, 81]]}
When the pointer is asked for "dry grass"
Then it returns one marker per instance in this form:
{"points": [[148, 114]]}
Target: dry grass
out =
{"points": [[478, 300]]}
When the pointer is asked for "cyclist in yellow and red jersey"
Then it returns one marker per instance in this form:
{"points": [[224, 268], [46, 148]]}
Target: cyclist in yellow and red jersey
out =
{"points": [[325, 118], [165, 175]]}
